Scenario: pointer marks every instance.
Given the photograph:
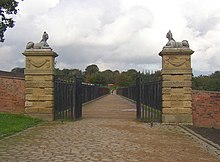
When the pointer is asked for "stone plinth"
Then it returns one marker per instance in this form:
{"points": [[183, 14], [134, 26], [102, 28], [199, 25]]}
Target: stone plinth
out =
{"points": [[176, 85], [39, 86]]}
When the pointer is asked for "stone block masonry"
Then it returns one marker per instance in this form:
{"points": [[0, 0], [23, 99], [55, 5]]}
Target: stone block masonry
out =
{"points": [[12, 98], [206, 109], [176, 85], [39, 83]]}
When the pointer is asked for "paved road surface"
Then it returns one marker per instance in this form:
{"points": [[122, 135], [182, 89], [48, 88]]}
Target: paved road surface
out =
{"points": [[108, 132]]}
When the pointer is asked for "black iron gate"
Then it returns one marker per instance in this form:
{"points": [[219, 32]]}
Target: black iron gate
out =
{"points": [[67, 99], [151, 101], [148, 98], [70, 95]]}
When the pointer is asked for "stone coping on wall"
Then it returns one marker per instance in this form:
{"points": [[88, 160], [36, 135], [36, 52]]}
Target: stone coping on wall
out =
{"points": [[6, 74], [204, 91]]}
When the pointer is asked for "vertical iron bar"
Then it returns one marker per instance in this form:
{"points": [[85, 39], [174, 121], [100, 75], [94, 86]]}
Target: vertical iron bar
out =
{"points": [[138, 96]]}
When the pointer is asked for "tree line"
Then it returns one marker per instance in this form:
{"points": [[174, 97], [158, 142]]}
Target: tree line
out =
{"points": [[93, 75], [207, 82]]}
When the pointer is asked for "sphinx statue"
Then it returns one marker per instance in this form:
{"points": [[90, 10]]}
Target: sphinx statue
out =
{"points": [[173, 44], [41, 45]]}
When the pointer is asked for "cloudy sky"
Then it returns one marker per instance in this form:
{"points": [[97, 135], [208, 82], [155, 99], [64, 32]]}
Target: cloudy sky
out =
{"points": [[115, 34]]}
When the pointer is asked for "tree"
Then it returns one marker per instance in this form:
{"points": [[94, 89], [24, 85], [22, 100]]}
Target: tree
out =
{"points": [[7, 7], [108, 75], [91, 69], [216, 75], [67, 74], [151, 76], [18, 70], [115, 76], [123, 80], [208, 83]]}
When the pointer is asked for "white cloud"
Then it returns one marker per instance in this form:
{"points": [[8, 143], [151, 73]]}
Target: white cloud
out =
{"points": [[203, 17], [34, 8], [116, 34], [9, 58], [203, 30]]}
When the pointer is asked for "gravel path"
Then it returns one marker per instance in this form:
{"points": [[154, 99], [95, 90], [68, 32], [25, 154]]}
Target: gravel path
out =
{"points": [[108, 132]]}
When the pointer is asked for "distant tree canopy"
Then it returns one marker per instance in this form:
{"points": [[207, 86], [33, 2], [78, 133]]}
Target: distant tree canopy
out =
{"points": [[94, 76], [67, 74], [18, 70], [127, 78], [7, 7], [207, 83], [91, 69]]}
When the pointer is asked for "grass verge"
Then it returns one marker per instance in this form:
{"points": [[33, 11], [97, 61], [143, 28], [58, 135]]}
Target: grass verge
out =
{"points": [[13, 123]]}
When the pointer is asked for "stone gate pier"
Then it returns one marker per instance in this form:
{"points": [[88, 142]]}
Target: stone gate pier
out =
{"points": [[39, 79], [176, 82]]}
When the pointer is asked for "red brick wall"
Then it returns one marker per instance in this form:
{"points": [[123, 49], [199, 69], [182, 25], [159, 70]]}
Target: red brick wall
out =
{"points": [[12, 94], [206, 109]]}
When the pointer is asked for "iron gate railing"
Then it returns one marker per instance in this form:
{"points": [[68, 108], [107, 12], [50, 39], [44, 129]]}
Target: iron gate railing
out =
{"points": [[91, 92], [148, 98], [67, 99], [70, 95], [151, 101]]}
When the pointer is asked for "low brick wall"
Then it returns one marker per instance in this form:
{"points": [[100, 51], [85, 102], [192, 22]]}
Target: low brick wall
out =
{"points": [[206, 109], [12, 92]]}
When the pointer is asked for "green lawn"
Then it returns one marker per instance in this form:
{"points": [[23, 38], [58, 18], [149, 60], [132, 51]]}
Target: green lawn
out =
{"points": [[13, 123]]}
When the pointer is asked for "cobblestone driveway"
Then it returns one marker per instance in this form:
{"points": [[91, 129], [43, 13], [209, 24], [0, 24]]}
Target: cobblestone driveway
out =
{"points": [[107, 132]]}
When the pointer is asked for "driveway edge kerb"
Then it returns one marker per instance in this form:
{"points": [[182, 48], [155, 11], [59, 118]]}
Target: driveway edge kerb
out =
{"points": [[25, 130], [210, 146]]}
